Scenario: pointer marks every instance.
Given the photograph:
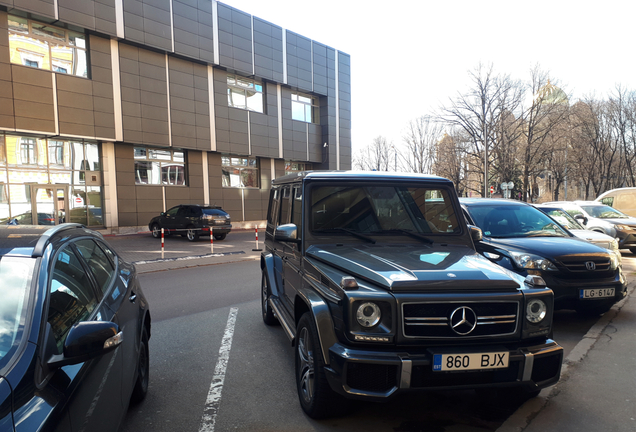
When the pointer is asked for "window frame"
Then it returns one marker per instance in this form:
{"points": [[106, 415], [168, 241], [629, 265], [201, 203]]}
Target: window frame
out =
{"points": [[313, 105], [51, 43], [180, 180], [256, 87], [237, 166]]}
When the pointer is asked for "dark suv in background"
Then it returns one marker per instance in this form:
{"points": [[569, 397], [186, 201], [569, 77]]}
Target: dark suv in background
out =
{"points": [[192, 221], [375, 279]]}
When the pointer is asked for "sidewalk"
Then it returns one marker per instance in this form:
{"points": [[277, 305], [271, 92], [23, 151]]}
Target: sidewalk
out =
{"points": [[597, 390]]}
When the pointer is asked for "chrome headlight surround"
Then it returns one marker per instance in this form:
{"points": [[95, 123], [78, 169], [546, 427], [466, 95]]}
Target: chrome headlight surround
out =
{"points": [[370, 320], [537, 312], [531, 261]]}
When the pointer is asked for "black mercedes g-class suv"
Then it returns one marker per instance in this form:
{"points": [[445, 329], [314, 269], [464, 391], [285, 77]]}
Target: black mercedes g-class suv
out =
{"points": [[375, 280]]}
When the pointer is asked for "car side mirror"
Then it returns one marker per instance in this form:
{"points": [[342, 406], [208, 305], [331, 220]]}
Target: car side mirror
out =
{"points": [[162, 214], [87, 340], [581, 218], [286, 233], [475, 233]]}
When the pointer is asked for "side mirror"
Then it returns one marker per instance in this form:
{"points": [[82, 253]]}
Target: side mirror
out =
{"points": [[579, 217], [475, 233], [286, 233], [162, 214], [87, 340]]}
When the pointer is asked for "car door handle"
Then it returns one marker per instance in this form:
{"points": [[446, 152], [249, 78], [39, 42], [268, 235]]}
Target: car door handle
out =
{"points": [[132, 297]]}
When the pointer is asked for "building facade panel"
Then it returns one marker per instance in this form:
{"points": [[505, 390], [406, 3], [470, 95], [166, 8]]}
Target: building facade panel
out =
{"points": [[159, 104]]}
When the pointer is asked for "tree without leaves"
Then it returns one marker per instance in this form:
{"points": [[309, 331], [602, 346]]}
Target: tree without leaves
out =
{"points": [[480, 110], [421, 137], [375, 156]]}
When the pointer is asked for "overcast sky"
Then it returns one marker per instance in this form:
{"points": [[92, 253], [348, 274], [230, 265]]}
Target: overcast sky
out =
{"points": [[409, 57]]}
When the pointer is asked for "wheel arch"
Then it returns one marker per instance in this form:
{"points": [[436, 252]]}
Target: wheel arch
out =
{"points": [[309, 301]]}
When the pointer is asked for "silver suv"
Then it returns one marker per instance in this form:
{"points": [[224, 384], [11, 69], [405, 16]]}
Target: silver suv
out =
{"points": [[603, 218]]}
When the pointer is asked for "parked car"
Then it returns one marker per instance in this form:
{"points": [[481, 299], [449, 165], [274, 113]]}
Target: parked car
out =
{"points": [[74, 331], [604, 219], [27, 219], [192, 221], [517, 236], [623, 199], [571, 224], [375, 279]]}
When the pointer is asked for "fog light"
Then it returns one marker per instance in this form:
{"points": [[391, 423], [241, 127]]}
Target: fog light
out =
{"points": [[536, 311], [368, 314]]}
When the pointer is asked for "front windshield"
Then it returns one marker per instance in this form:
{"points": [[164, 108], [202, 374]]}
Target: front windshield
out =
{"points": [[603, 212], [15, 279], [507, 221], [563, 218], [382, 210]]}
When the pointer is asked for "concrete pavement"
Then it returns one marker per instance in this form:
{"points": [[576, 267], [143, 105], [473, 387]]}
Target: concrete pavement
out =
{"points": [[597, 390]]}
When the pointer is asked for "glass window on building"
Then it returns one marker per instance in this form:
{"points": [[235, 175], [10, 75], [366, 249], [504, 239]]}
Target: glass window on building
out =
{"points": [[305, 108], [57, 171], [159, 167], [292, 167], [244, 93], [239, 172], [44, 46]]}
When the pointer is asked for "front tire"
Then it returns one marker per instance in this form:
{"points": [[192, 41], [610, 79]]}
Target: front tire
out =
{"points": [[316, 397], [268, 314], [156, 231], [143, 371], [192, 234]]}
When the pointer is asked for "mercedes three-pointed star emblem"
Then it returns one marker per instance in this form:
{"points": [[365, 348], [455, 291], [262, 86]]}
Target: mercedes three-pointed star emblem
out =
{"points": [[463, 320]]}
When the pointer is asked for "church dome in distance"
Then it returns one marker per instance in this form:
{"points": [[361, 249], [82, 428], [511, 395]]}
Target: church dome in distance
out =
{"points": [[552, 94]]}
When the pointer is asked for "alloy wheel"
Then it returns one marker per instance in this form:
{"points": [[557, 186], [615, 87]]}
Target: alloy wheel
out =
{"points": [[306, 369]]}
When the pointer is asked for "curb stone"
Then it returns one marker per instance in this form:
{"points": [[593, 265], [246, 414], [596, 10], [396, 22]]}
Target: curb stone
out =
{"points": [[521, 418]]}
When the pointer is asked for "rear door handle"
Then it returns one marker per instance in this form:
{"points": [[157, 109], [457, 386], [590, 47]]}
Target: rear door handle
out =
{"points": [[132, 297]]}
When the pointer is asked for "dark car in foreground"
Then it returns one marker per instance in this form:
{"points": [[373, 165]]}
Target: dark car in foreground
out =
{"points": [[192, 221], [375, 279], [74, 330], [521, 238]]}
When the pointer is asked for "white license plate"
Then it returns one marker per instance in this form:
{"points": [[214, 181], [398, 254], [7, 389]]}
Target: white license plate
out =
{"points": [[457, 362], [596, 293]]}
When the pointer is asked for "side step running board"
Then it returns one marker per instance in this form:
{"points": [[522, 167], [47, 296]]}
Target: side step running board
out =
{"points": [[285, 320]]}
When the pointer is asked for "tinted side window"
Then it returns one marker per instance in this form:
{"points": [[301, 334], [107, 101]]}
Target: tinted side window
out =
{"points": [[97, 261], [72, 298], [183, 212], [173, 211], [284, 206], [297, 208]]}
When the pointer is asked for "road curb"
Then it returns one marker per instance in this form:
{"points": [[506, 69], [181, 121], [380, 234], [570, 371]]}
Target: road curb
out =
{"points": [[521, 418]]}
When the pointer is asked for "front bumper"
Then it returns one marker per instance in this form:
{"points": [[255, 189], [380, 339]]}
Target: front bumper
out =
{"points": [[626, 239], [380, 375], [567, 291]]}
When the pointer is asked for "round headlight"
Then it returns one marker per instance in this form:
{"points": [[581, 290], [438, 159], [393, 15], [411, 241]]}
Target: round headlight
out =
{"points": [[368, 314], [536, 311]]}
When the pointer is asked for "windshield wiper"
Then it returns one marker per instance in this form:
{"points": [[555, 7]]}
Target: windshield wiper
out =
{"points": [[409, 233], [353, 233]]}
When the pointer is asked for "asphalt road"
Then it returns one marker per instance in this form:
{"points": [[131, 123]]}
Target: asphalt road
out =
{"points": [[255, 390]]}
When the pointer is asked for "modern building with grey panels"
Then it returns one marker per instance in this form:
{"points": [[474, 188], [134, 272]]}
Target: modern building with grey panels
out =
{"points": [[112, 111]]}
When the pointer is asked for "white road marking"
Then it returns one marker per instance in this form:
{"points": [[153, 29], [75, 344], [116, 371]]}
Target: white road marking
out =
{"points": [[216, 387]]}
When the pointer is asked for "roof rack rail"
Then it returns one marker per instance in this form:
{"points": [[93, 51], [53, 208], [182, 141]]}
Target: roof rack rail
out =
{"points": [[38, 250]]}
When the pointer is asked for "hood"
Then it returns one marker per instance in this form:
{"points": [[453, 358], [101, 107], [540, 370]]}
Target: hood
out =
{"points": [[416, 267], [619, 221], [591, 236], [550, 247]]}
